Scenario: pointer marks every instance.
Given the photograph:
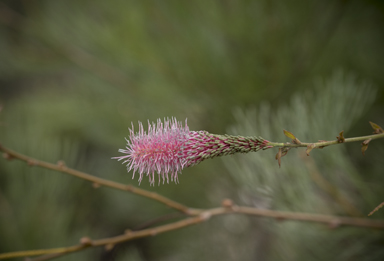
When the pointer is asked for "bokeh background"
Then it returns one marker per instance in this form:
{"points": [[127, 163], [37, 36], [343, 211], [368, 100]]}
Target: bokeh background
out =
{"points": [[75, 74]]}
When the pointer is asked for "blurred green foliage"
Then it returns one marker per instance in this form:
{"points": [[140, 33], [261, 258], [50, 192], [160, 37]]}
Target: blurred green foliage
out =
{"points": [[328, 181], [75, 74]]}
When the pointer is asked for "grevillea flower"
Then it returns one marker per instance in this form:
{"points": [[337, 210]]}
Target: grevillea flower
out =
{"points": [[170, 147]]}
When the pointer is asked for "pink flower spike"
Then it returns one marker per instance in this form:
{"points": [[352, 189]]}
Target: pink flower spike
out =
{"points": [[156, 151], [168, 148]]}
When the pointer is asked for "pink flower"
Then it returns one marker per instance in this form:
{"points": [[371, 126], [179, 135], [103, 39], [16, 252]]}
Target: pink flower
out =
{"points": [[168, 148]]}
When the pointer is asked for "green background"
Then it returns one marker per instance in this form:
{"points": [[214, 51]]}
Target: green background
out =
{"points": [[75, 74]]}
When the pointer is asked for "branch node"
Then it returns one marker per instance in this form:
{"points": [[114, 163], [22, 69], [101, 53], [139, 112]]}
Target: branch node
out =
{"points": [[278, 157], [334, 223], [227, 203], [310, 147], [129, 188], [340, 138], [61, 164], [377, 129], [364, 146], [205, 215], [86, 241], [32, 162], [281, 153], [292, 137], [296, 141]]}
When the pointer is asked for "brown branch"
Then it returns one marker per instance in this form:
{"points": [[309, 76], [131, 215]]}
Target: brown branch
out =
{"points": [[376, 208], [196, 215], [332, 221], [10, 154], [322, 144]]}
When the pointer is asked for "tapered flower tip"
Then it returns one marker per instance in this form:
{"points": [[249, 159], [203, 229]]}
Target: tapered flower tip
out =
{"points": [[158, 150]]}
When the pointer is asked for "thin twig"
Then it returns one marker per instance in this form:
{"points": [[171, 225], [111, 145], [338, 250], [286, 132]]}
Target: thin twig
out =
{"points": [[376, 209], [137, 228], [321, 144], [10, 154], [332, 221], [198, 214]]}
